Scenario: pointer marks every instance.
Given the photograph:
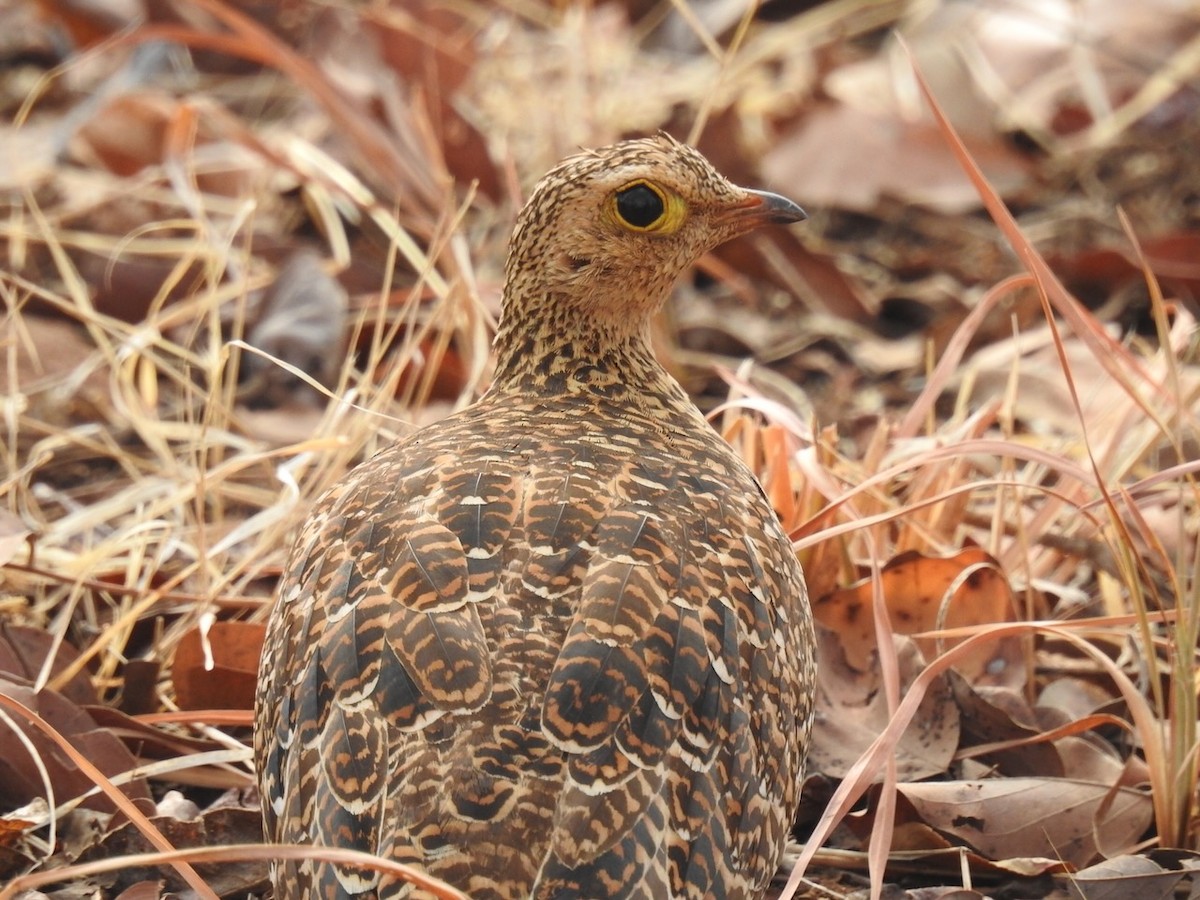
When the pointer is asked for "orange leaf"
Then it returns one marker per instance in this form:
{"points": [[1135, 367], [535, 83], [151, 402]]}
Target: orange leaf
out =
{"points": [[217, 668]]}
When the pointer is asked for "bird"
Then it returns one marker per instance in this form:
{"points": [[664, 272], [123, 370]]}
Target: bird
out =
{"points": [[557, 644]]}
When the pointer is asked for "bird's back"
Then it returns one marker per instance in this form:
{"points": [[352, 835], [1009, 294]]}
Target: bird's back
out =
{"points": [[544, 649]]}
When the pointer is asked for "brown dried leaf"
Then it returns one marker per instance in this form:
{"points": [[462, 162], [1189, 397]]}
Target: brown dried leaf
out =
{"points": [[129, 133], [920, 167], [88, 22], [992, 715], [20, 781], [852, 710], [434, 50], [1125, 876], [139, 693], [212, 828], [1074, 697], [148, 741], [23, 653], [47, 351], [142, 890], [1172, 257], [14, 863], [927, 593], [18, 846], [280, 426], [218, 668], [918, 846], [302, 323], [1057, 817]]}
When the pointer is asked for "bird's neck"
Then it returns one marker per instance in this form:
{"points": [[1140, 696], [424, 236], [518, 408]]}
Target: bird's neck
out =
{"points": [[547, 352]]}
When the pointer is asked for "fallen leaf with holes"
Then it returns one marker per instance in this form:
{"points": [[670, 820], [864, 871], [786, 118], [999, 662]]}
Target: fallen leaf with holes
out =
{"points": [[930, 593], [218, 668], [1049, 817], [852, 710]]}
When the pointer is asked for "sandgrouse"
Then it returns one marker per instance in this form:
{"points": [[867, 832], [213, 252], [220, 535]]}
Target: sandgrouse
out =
{"points": [[556, 645]]}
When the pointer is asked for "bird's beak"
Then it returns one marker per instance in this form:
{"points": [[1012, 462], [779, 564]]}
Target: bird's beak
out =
{"points": [[762, 208]]}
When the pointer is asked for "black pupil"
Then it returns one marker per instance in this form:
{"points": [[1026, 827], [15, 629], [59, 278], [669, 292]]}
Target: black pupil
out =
{"points": [[639, 206]]}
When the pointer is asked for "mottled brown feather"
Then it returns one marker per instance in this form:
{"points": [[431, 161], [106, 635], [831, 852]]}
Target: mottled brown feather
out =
{"points": [[556, 645]]}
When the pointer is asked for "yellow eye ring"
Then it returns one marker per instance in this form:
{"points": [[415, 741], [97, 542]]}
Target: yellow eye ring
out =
{"points": [[645, 207]]}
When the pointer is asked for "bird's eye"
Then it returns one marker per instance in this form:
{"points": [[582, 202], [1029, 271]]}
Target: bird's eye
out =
{"points": [[640, 206]]}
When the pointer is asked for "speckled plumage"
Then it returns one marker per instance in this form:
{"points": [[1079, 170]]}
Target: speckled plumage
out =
{"points": [[556, 645]]}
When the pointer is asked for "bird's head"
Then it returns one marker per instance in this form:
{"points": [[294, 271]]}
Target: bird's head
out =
{"points": [[607, 232]]}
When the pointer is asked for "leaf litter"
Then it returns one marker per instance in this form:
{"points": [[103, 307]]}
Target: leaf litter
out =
{"points": [[245, 248]]}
